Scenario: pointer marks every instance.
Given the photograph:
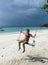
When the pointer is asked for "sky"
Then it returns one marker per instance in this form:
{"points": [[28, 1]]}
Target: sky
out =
{"points": [[22, 13]]}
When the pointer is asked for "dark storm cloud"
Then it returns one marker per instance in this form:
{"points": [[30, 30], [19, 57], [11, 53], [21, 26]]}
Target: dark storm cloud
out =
{"points": [[20, 12]]}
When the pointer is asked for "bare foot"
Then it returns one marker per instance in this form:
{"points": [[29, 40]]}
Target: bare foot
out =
{"points": [[23, 51]]}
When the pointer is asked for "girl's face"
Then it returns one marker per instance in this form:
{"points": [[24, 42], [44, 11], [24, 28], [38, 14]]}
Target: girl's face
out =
{"points": [[28, 30]]}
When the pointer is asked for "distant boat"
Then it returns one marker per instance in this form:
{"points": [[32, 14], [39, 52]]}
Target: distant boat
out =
{"points": [[1, 29]]}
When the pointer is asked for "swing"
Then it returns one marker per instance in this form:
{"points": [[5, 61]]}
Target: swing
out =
{"points": [[33, 44]]}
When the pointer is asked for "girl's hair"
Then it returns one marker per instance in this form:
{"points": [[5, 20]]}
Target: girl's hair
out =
{"points": [[28, 30]]}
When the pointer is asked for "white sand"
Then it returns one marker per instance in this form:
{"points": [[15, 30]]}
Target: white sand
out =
{"points": [[38, 55]]}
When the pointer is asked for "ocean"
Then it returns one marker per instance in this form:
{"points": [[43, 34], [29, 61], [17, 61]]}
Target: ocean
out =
{"points": [[16, 29]]}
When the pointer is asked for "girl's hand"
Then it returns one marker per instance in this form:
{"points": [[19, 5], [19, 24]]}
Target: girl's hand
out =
{"points": [[35, 34]]}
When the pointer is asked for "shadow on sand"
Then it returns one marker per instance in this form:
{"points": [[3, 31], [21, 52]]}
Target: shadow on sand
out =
{"points": [[38, 58]]}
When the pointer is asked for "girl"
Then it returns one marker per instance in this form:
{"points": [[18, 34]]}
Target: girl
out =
{"points": [[26, 39]]}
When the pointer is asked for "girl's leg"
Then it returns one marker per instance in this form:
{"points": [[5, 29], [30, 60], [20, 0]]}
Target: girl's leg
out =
{"points": [[24, 46], [20, 44]]}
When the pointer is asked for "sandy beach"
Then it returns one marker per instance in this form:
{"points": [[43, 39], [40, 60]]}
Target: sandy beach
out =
{"points": [[37, 55]]}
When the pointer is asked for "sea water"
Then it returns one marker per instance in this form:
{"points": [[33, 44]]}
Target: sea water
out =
{"points": [[16, 29]]}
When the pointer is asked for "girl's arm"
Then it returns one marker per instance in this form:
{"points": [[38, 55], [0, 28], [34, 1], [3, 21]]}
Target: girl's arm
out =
{"points": [[32, 35]]}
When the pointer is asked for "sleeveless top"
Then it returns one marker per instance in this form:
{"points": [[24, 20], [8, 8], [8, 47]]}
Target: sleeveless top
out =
{"points": [[27, 36]]}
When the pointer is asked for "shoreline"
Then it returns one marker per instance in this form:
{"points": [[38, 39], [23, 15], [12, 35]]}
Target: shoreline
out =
{"points": [[7, 31], [24, 30]]}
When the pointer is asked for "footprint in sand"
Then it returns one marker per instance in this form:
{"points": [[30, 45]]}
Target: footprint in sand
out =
{"points": [[2, 56], [3, 48], [42, 61]]}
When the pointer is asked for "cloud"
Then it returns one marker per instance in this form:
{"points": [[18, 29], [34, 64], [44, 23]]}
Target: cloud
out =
{"points": [[16, 10]]}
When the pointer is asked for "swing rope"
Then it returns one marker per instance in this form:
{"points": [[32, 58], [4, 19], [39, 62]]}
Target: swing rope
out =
{"points": [[36, 34], [19, 34]]}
